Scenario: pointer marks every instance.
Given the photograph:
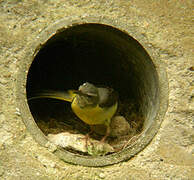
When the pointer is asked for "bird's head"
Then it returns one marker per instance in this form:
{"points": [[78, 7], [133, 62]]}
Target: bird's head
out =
{"points": [[87, 95], [89, 89]]}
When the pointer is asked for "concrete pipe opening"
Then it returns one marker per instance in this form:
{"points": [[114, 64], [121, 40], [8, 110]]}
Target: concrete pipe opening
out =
{"points": [[103, 55]]}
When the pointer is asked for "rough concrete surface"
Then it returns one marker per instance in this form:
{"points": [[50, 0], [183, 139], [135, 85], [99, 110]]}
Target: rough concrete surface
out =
{"points": [[168, 27]]}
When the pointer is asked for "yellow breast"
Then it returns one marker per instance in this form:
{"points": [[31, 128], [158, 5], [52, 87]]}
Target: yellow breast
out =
{"points": [[93, 115]]}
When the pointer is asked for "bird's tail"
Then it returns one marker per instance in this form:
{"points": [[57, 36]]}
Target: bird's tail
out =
{"points": [[60, 95]]}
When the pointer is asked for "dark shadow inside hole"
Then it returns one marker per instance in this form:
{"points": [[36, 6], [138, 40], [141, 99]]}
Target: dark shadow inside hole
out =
{"points": [[98, 54]]}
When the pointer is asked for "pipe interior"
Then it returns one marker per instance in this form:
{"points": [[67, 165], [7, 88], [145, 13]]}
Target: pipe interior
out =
{"points": [[99, 54]]}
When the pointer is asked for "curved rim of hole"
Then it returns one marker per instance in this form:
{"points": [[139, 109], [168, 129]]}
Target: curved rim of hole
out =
{"points": [[145, 137]]}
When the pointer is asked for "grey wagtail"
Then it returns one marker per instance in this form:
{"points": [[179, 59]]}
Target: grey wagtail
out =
{"points": [[93, 105]]}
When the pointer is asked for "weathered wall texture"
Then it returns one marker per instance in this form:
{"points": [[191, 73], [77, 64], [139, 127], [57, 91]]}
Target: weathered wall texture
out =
{"points": [[168, 27]]}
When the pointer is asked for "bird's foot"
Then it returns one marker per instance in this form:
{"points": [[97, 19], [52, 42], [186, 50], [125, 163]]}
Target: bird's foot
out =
{"points": [[103, 139], [87, 138]]}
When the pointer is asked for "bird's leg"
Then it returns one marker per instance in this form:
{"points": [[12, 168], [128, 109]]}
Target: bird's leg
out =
{"points": [[87, 137], [107, 133]]}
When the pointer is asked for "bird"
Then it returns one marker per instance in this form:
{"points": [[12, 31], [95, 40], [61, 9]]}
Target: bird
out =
{"points": [[93, 105]]}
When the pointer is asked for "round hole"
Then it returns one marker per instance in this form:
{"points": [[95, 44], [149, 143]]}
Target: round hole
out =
{"points": [[103, 55]]}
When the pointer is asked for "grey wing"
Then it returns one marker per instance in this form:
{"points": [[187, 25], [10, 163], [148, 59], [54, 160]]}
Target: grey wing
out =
{"points": [[107, 97]]}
